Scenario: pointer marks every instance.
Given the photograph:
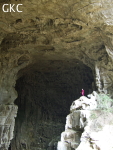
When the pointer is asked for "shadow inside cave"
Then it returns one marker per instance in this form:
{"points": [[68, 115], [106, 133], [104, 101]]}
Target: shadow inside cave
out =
{"points": [[45, 94]]}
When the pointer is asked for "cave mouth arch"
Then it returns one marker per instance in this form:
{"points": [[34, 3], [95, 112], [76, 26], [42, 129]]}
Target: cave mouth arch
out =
{"points": [[45, 93]]}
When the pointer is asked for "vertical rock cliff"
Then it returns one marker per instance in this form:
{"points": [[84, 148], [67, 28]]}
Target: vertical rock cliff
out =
{"points": [[87, 126]]}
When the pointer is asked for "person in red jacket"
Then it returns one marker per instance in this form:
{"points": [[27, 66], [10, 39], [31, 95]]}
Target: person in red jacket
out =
{"points": [[82, 92]]}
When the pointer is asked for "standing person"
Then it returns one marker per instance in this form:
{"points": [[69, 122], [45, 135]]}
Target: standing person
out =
{"points": [[82, 92]]}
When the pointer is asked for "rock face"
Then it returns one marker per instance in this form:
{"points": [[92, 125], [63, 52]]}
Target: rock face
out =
{"points": [[7, 122], [55, 35], [87, 127]]}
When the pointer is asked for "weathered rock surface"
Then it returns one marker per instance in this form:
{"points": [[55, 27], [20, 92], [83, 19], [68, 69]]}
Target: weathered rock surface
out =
{"points": [[7, 122], [87, 128]]}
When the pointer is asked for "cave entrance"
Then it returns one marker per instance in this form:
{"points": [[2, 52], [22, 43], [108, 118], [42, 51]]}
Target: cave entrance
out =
{"points": [[45, 93]]}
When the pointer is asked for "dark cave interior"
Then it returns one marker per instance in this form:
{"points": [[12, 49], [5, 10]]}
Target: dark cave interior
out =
{"points": [[44, 98]]}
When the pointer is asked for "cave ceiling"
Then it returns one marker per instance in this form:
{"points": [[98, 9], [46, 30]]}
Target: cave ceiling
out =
{"points": [[48, 31], [54, 29]]}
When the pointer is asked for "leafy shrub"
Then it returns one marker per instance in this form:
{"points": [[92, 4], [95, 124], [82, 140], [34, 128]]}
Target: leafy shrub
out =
{"points": [[104, 102]]}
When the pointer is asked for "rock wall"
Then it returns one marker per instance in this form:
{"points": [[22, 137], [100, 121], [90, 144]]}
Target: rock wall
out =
{"points": [[7, 122], [87, 126]]}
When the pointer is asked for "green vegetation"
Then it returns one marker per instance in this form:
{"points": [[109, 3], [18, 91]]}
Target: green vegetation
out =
{"points": [[93, 116], [104, 102]]}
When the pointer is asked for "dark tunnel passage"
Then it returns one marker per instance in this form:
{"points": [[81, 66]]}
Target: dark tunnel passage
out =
{"points": [[44, 99]]}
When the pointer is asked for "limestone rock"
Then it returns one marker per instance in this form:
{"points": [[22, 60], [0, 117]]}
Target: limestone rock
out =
{"points": [[87, 129], [7, 122], [85, 103]]}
